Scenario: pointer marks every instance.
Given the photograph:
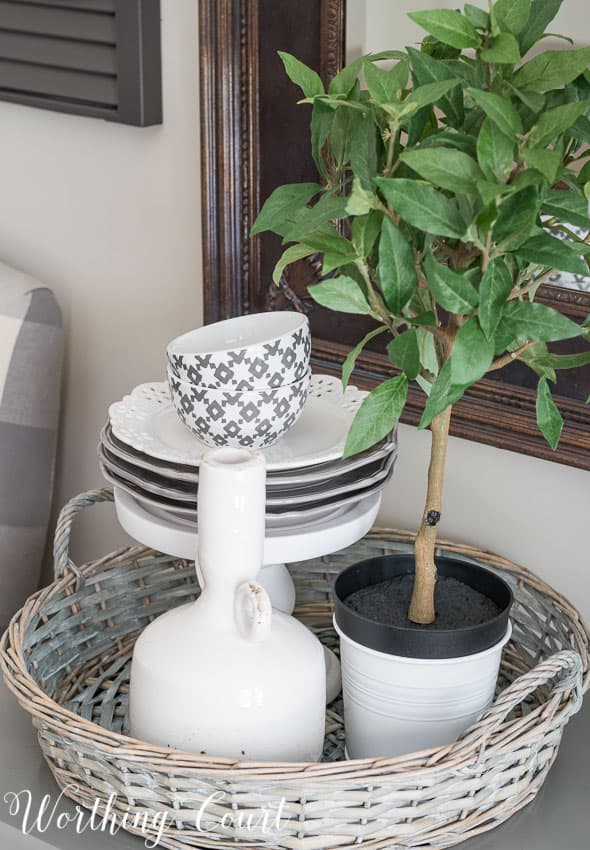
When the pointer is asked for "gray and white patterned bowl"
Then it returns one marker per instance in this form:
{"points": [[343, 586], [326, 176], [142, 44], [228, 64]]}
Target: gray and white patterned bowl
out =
{"points": [[252, 418], [257, 351]]}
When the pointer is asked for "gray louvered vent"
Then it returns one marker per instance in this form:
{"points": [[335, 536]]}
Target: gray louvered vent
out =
{"points": [[90, 57]]}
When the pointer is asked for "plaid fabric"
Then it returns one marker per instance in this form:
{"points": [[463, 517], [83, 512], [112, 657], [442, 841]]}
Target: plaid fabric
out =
{"points": [[31, 344]]}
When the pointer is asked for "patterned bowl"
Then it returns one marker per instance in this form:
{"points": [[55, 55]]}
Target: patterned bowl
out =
{"points": [[252, 418], [251, 352]]}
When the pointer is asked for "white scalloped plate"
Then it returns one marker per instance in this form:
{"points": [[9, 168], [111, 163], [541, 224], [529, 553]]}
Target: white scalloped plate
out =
{"points": [[146, 421]]}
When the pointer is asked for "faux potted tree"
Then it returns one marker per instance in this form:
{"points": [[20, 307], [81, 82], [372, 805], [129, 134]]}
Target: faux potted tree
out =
{"points": [[448, 181]]}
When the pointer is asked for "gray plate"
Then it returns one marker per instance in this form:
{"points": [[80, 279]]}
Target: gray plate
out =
{"points": [[189, 474], [299, 495], [323, 509]]}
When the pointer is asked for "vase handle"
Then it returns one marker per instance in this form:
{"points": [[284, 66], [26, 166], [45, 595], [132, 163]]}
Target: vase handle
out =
{"points": [[253, 612]]}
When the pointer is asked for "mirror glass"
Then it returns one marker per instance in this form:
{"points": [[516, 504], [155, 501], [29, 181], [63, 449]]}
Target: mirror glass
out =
{"points": [[375, 25]]}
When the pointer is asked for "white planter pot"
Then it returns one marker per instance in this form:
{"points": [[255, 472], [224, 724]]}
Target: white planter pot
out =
{"points": [[395, 705], [407, 688]]}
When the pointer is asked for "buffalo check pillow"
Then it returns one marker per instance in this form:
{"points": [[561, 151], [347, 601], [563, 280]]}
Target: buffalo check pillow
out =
{"points": [[31, 344]]}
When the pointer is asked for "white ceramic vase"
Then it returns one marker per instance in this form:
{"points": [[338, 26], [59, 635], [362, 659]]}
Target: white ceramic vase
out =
{"points": [[226, 675]]}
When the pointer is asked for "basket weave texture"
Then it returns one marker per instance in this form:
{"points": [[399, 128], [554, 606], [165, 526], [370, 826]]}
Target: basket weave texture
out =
{"points": [[66, 656]]}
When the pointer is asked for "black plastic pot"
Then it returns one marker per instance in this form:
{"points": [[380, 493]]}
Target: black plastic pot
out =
{"points": [[420, 642]]}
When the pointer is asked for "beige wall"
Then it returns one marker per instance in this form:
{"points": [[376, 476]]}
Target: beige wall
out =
{"points": [[373, 25], [529, 510], [108, 215]]}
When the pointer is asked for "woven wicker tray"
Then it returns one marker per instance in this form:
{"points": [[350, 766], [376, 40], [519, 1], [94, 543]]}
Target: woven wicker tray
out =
{"points": [[66, 657]]}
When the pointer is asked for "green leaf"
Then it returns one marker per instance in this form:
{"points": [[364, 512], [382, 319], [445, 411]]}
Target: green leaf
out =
{"points": [[401, 71], [427, 318], [364, 230], [452, 139], [341, 131], [340, 293], [352, 356], [554, 122], [419, 125], [360, 201], [451, 288], [333, 261], [450, 169], [428, 93], [282, 206], [495, 152], [362, 146], [328, 241], [291, 255], [311, 219], [547, 162], [377, 416], [502, 51], [532, 100], [542, 13], [552, 253], [489, 193], [494, 289], [448, 26], [530, 177], [512, 15], [427, 348], [471, 72], [335, 102], [525, 320], [552, 69], [500, 110], [322, 117], [307, 79], [477, 16], [472, 354], [397, 267], [567, 207], [422, 206], [403, 351], [384, 86], [581, 130], [425, 70], [344, 81], [549, 418], [442, 394], [516, 219], [532, 356], [565, 361]]}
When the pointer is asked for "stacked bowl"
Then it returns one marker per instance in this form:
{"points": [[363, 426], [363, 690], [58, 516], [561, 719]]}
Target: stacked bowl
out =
{"points": [[242, 381]]}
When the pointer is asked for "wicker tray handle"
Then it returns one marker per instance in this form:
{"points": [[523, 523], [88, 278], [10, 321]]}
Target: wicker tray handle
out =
{"points": [[62, 562], [565, 673]]}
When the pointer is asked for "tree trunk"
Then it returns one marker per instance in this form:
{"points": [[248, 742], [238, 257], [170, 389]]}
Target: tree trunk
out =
{"points": [[422, 604]]}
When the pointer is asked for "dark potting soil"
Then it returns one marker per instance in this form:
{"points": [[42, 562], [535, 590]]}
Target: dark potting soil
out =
{"points": [[457, 605]]}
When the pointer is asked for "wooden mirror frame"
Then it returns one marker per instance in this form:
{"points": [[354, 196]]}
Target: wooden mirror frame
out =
{"points": [[253, 138]]}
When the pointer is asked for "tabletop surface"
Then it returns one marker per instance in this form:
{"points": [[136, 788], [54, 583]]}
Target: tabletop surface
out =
{"points": [[558, 819]]}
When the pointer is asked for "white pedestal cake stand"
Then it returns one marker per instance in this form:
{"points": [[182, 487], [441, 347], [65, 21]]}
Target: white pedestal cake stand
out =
{"points": [[281, 546]]}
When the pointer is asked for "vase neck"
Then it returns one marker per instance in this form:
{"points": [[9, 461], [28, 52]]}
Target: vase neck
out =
{"points": [[231, 510]]}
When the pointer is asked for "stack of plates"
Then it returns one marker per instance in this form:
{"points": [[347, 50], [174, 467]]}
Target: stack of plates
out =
{"points": [[146, 452]]}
